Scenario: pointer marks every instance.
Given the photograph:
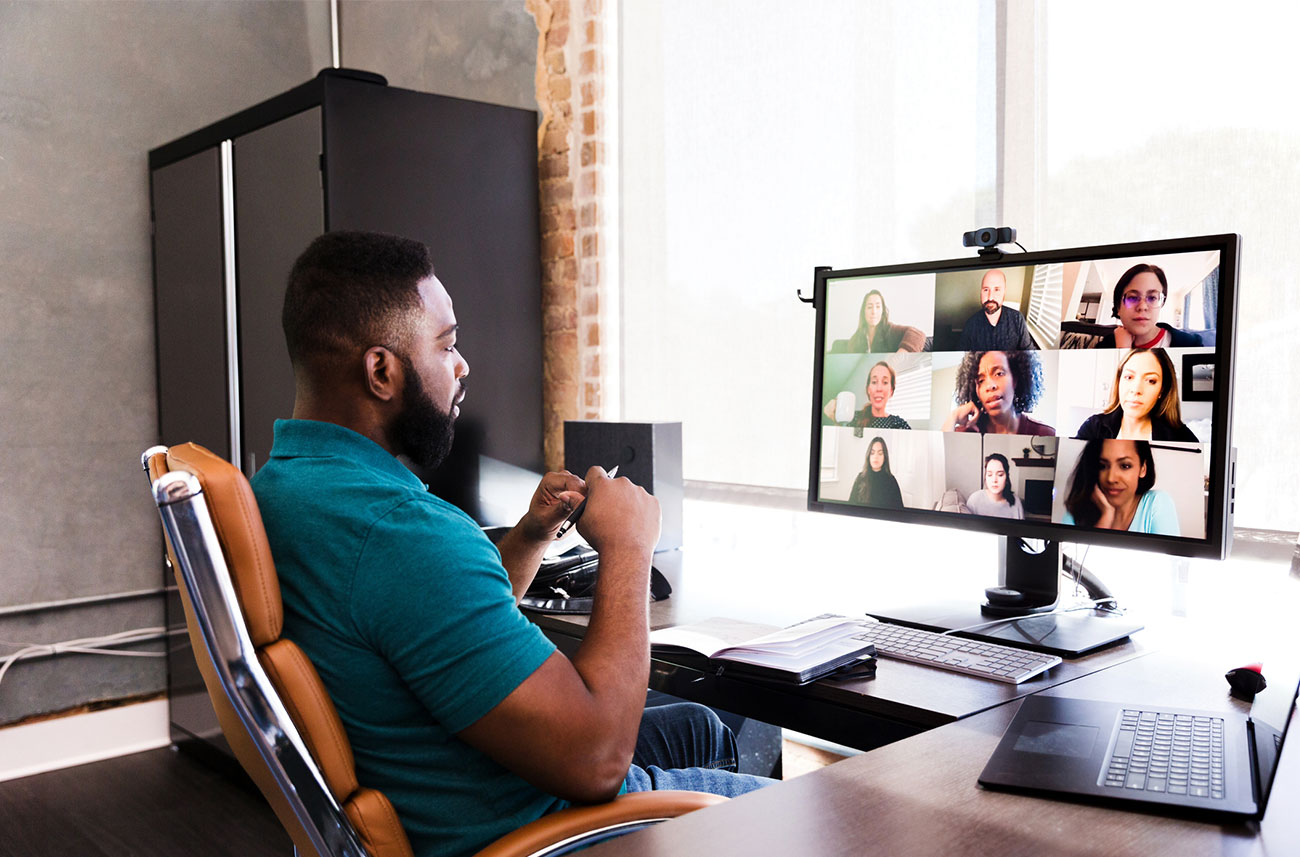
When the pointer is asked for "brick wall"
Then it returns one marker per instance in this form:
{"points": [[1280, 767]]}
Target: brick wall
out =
{"points": [[571, 152]]}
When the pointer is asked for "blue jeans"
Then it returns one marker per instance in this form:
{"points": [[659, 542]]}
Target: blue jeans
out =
{"points": [[685, 746]]}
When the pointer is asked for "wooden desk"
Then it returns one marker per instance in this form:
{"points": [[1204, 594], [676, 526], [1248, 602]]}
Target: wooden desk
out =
{"points": [[920, 796], [901, 700]]}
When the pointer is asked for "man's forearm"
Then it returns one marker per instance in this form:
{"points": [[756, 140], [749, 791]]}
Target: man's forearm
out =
{"points": [[521, 555], [614, 657]]}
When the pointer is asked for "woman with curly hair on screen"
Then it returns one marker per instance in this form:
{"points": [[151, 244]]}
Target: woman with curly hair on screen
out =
{"points": [[994, 390]]}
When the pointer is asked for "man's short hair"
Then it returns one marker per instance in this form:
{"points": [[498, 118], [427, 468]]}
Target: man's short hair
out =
{"points": [[349, 291]]}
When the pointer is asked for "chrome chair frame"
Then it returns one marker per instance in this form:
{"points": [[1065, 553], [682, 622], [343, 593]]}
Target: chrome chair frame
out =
{"points": [[227, 645]]}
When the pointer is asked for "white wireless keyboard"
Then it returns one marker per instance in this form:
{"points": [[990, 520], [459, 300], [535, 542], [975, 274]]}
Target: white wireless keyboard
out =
{"points": [[947, 652]]}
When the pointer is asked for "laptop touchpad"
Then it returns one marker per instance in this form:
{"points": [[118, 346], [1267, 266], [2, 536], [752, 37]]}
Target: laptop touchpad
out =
{"points": [[1056, 739]]}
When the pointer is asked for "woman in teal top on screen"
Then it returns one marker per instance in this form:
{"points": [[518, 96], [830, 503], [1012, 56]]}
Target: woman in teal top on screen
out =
{"points": [[1111, 489]]}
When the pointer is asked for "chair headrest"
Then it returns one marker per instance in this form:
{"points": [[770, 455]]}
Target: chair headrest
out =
{"points": [[239, 525]]}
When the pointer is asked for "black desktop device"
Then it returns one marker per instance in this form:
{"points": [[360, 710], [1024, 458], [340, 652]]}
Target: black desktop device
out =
{"points": [[1080, 395]]}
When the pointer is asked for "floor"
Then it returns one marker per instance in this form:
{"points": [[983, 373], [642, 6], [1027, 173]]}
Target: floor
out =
{"points": [[159, 803], [162, 803], [797, 759]]}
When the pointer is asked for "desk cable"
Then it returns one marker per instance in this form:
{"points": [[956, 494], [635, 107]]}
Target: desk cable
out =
{"points": [[1095, 604]]}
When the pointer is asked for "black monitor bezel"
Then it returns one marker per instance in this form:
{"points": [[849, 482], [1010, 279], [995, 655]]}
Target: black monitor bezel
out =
{"points": [[1218, 530]]}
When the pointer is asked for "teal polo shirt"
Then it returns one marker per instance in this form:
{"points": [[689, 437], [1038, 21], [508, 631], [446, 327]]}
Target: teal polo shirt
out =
{"points": [[404, 607]]}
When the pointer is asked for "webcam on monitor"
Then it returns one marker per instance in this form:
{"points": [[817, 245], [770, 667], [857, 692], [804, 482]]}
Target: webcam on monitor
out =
{"points": [[989, 236]]}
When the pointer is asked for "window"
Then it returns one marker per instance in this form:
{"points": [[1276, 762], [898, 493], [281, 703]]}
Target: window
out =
{"points": [[760, 138], [1165, 121]]}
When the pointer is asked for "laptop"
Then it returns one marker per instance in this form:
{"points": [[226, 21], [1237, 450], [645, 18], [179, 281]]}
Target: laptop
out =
{"points": [[1150, 757]]}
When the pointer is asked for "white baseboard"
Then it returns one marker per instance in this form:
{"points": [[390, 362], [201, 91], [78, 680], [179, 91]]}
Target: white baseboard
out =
{"points": [[48, 745]]}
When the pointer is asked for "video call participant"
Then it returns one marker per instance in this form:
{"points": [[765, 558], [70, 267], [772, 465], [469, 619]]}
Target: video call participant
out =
{"points": [[457, 707], [876, 333], [1138, 297], [881, 381], [995, 326], [1143, 402], [876, 485], [1111, 489], [997, 498], [994, 390]]}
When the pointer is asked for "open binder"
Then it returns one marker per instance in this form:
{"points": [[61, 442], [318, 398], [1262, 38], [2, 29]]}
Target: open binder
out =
{"points": [[801, 653]]}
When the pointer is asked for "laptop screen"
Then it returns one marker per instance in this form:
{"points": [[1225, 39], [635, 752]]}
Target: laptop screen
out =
{"points": [[1269, 716]]}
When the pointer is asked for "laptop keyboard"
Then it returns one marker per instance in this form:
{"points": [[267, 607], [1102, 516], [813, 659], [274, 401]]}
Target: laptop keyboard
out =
{"points": [[1178, 754], [958, 654]]}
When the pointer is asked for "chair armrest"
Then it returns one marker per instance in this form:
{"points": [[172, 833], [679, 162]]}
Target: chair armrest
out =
{"points": [[580, 821]]}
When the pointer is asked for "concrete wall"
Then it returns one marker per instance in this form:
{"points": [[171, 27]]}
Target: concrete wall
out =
{"points": [[480, 49], [86, 89]]}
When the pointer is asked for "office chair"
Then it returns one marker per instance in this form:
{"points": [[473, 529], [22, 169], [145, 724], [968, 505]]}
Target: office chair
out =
{"points": [[272, 706]]}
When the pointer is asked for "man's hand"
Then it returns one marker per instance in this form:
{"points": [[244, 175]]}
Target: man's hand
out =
{"points": [[620, 516], [557, 495], [1123, 339], [524, 546]]}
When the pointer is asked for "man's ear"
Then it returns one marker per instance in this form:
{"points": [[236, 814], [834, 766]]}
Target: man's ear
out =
{"points": [[384, 373]]}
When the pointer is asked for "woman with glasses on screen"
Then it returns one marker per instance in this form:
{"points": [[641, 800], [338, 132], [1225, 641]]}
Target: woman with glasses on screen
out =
{"points": [[1139, 296], [994, 389], [997, 498], [1143, 402], [1111, 489], [881, 381], [875, 485], [876, 333]]}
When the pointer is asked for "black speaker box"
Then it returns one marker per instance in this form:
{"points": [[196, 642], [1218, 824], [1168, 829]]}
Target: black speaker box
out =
{"points": [[649, 454]]}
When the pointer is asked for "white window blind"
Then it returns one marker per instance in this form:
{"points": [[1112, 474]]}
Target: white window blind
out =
{"points": [[1044, 316]]}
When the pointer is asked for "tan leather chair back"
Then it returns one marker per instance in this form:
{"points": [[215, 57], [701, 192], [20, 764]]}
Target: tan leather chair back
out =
{"points": [[241, 537]]}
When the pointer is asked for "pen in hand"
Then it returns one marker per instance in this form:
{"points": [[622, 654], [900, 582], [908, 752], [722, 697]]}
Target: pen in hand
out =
{"points": [[577, 513]]}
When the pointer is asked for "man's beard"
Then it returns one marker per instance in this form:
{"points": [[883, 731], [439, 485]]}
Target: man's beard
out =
{"points": [[422, 432], [991, 307]]}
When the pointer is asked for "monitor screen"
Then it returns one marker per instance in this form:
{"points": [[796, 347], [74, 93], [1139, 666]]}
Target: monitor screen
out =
{"points": [[1079, 395]]}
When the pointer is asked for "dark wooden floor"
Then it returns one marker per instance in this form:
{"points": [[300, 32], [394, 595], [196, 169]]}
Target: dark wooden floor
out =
{"points": [[160, 803]]}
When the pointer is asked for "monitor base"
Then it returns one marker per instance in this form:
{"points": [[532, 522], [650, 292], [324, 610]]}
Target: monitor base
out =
{"points": [[1069, 635]]}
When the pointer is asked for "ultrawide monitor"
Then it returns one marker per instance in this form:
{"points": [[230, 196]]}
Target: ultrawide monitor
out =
{"points": [[1079, 395]]}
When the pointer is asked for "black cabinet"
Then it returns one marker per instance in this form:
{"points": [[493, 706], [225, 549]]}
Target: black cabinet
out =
{"points": [[234, 204]]}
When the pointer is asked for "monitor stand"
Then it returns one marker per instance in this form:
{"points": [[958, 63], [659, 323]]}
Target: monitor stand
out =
{"points": [[1030, 580]]}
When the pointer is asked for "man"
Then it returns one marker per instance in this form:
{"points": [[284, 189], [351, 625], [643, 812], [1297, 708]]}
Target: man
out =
{"points": [[995, 327], [457, 707]]}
